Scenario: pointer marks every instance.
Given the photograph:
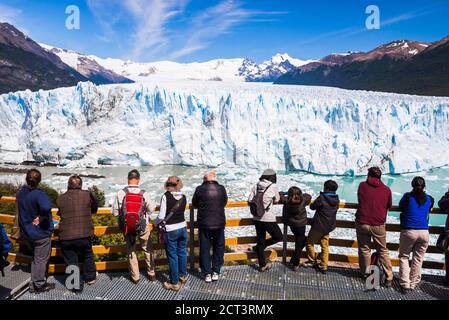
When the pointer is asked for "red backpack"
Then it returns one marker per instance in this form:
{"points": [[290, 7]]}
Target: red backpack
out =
{"points": [[132, 213]]}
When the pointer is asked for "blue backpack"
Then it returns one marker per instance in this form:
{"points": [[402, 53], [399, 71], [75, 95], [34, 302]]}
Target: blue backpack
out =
{"points": [[5, 246]]}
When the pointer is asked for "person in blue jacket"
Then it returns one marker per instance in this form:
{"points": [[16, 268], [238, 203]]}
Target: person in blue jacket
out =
{"points": [[5, 246], [415, 208], [36, 227]]}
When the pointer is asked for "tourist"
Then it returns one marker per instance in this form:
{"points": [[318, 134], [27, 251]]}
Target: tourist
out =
{"points": [[323, 223], [130, 202], [210, 199], [5, 246], [295, 216], [444, 205], [36, 227], [171, 218], [76, 227], [415, 208], [267, 222], [375, 200]]}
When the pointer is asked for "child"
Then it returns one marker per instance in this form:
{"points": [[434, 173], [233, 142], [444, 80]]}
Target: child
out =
{"points": [[324, 222], [295, 216]]}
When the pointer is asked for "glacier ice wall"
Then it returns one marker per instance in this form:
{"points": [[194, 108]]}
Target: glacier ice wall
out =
{"points": [[316, 129]]}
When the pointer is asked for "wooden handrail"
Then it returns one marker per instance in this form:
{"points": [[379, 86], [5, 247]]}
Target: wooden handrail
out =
{"points": [[234, 222]]}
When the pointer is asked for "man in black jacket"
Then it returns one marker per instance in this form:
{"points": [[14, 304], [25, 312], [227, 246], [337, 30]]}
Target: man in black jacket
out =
{"points": [[444, 205], [210, 199]]}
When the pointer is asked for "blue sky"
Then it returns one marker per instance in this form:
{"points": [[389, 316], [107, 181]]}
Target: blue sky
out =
{"points": [[199, 30]]}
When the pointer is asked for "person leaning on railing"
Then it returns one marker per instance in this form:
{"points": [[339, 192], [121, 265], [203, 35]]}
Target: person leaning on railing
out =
{"points": [[171, 216], [210, 199], [36, 228], [415, 208], [375, 199], [444, 205], [267, 223], [76, 228]]}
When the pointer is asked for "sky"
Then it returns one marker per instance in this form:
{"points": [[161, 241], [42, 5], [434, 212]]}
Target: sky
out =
{"points": [[200, 30]]}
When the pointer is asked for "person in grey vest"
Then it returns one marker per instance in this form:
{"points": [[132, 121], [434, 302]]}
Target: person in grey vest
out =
{"points": [[267, 223], [76, 228]]}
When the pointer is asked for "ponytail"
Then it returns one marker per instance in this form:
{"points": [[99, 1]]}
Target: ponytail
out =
{"points": [[419, 185]]}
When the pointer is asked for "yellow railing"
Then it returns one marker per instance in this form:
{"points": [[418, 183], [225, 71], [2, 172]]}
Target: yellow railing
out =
{"points": [[235, 256]]}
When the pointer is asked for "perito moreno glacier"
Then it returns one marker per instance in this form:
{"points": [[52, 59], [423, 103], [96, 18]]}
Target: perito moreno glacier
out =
{"points": [[315, 129]]}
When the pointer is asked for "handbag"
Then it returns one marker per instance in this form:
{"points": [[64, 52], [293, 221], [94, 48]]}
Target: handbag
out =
{"points": [[161, 227]]}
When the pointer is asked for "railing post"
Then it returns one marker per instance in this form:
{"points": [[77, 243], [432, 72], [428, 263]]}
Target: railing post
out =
{"points": [[284, 247], [192, 239]]}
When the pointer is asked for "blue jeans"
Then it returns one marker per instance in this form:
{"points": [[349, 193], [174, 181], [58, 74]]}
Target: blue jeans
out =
{"points": [[176, 250], [216, 240]]}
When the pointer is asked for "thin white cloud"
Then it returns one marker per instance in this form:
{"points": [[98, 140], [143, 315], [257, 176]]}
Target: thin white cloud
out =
{"points": [[9, 14], [215, 21]]}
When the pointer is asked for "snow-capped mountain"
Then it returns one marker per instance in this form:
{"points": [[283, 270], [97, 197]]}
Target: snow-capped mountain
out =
{"points": [[87, 66], [215, 70], [321, 130]]}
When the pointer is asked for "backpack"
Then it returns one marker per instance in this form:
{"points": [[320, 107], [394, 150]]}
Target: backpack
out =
{"points": [[256, 205], [375, 261], [5, 247], [132, 213]]}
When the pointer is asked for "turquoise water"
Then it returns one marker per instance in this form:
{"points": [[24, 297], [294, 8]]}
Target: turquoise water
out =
{"points": [[239, 180]]}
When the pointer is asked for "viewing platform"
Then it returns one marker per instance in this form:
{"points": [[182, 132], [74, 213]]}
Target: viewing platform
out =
{"points": [[239, 281]]}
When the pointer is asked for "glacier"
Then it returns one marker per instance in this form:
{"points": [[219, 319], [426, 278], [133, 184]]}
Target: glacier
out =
{"points": [[203, 123]]}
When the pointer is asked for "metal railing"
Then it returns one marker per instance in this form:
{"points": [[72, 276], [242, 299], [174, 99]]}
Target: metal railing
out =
{"points": [[234, 256]]}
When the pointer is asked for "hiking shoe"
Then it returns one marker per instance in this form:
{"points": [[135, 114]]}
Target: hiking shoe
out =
{"points": [[292, 267], [267, 267], [322, 270], [91, 282], [46, 287], [170, 286], [135, 281], [407, 290], [208, 278], [152, 277], [388, 283], [183, 279], [215, 276]]}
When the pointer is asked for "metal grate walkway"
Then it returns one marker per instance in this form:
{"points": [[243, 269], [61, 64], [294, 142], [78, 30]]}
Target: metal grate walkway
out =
{"points": [[246, 283], [16, 277]]}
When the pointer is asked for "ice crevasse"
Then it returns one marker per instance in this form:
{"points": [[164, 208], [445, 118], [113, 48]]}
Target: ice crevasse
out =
{"points": [[315, 129]]}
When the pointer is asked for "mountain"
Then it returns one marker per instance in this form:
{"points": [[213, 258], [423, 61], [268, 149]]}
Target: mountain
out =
{"points": [[87, 66], [215, 70], [207, 123], [404, 66], [26, 65]]}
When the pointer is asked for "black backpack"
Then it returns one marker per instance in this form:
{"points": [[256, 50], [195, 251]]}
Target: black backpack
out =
{"points": [[256, 205]]}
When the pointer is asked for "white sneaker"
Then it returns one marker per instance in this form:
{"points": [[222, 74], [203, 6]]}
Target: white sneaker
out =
{"points": [[208, 278], [215, 276]]}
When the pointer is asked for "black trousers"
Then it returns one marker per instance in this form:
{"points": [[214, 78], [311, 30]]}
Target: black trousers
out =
{"points": [[300, 243], [80, 250], [214, 239], [261, 232], [446, 256]]}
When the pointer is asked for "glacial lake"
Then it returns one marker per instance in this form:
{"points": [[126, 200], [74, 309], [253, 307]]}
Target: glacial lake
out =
{"points": [[238, 182]]}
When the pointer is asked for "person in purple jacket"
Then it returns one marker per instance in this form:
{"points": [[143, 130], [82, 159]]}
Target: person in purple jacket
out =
{"points": [[36, 227]]}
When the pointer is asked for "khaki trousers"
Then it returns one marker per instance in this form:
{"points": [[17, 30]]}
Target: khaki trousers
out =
{"points": [[313, 238], [145, 244], [378, 235], [416, 243]]}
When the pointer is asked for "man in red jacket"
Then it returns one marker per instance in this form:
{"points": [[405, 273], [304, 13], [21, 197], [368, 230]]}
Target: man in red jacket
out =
{"points": [[375, 200]]}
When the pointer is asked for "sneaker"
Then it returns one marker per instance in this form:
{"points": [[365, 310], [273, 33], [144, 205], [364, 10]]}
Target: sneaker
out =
{"points": [[135, 281], [170, 286], [388, 283], [183, 279], [322, 270], [267, 267], [407, 290], [208, 278], [46, 287], [215, 276]]}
